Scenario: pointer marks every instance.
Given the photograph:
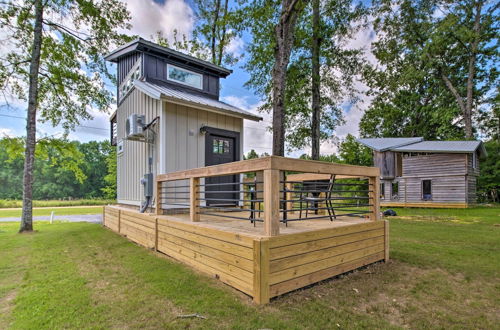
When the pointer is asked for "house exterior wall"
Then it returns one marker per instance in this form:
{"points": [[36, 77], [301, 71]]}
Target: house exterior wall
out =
{"points": [[179, 146], [132, 162], [185, 145]]}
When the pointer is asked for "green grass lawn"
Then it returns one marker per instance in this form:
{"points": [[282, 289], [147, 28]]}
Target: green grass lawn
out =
{"points": [[444, 273], [57, 211], [14, 203]]}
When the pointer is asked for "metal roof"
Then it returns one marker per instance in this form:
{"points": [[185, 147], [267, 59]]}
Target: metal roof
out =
{"points": [[444, 147], [142, 44], [199, 101], [384, 144]]}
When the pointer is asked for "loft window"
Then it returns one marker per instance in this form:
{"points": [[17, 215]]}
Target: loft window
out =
{"points": [[185, 77], [474, 160], [382, 192], [426, 190]]}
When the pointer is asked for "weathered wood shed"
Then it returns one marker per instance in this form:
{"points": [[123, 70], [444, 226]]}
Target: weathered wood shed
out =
{"points": [[422, 173]]}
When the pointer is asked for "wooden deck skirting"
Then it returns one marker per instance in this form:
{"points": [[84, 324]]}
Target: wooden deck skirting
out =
{"points": [[261, 267], [270, 259]]}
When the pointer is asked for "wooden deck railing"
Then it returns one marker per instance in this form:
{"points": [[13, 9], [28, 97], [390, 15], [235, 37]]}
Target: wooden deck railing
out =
{"points": [[271, 191]]}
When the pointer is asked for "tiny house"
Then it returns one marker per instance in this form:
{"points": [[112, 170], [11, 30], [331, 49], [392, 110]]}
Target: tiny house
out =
{"points": [[183, 189], [419, 173], [169, 117]]}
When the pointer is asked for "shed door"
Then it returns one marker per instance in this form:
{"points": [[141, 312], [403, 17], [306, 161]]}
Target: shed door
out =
{"points": [[221, 147]]}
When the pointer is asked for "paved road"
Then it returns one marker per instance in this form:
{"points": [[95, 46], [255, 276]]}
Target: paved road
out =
{"points": [[94, 218]]}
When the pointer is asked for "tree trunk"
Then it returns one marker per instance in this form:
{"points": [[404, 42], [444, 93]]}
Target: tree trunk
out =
{"points": [[214, 31], [285, 32], [29, 162], [222, 37], [472, 72], [316, 110]]}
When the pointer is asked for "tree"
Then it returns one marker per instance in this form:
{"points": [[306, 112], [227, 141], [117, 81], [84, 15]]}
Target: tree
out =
{"points": [[216, 26], [437, 67], [109, 189], [57, 48], [354, 153], [338, 66], [251, 155], [284, 33], [488, 183]]}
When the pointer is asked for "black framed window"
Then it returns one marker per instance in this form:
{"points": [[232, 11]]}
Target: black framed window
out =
{"points": [[382, 190], [427, 190]]}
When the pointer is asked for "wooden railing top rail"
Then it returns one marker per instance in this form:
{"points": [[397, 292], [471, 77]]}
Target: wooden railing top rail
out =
{"points": [[273, 163]]}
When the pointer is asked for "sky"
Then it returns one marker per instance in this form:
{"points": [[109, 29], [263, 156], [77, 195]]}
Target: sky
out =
{"points": [[150, 16]]}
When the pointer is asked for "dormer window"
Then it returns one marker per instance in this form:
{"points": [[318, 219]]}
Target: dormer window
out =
{"points": [[185, 77]]}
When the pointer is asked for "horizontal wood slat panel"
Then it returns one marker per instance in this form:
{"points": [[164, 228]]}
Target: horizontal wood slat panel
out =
{"points": [[324, 233], [301, 259], [229, 237], [221, 266], [294, 249], [209, 241], [302, 281], [312, 267], [231, 280], [229, 258]]}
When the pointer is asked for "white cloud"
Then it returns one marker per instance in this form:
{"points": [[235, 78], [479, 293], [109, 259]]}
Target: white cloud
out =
{"points": [[236, 46], [6, 132], [149, 17]]}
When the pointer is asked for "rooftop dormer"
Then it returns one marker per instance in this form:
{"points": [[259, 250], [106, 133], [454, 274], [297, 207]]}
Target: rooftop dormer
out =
{"points": [[150, 62]]}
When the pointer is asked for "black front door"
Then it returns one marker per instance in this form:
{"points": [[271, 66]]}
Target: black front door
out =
{"points": [[221, 147]]}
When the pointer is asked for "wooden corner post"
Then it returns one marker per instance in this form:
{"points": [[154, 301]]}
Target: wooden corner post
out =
{"points": [[374, 195], [271, 202], [194, 203], [158, 197], [261, 271]]}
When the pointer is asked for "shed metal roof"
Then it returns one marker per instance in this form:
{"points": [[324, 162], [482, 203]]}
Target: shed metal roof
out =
{"points": [[444, 146], [199, 101], [384, 144]]}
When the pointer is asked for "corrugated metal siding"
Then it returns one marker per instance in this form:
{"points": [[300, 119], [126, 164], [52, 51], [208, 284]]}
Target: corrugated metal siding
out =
{"points": [[124, 65], [132, 162], [185, 151]]}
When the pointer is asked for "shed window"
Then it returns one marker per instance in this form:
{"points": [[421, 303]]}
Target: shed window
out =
{"points": [[426, 190], [128, 82], [185, 77], [382, 192], [474, 160]]}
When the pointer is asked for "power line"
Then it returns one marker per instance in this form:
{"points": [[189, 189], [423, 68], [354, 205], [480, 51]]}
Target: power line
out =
{"points": [[84, 126]]}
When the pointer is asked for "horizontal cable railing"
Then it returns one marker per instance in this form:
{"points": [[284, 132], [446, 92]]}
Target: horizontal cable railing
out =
{"points": [[271, 190]]}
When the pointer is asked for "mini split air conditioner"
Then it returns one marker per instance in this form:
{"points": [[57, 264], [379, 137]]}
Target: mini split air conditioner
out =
{"points": [[134, 126]]}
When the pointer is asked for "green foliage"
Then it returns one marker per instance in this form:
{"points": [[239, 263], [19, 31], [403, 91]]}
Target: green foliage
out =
{"points": [[13, 203], [251, 155], [217, 24], [63, 169], [423, 48], [110, 179], [76, 35], [354, 153], [488, 183], [338, 66]]}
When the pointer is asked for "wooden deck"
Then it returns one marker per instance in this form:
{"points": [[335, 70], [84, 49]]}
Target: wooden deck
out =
{"points": [[270, 258]]}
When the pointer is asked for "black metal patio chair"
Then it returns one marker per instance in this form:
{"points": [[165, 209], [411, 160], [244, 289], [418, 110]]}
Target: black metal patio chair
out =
{"points": [[310, 194]]}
